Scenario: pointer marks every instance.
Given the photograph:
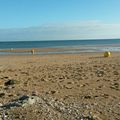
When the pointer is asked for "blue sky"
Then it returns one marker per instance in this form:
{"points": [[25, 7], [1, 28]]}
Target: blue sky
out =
{"points": [[59, 19]]}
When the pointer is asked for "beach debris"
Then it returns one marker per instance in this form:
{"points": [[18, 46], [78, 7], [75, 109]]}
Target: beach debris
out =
{"points": [[107, 54], [10, 82]]}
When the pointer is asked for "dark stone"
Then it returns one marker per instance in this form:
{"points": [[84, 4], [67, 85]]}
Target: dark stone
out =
{"points": [[87, 97], [23, 97], [2, 94], [10, 82], [116, 73], [116, 85], [53, 92], [100, 73], [6, 77], [10, 95]]}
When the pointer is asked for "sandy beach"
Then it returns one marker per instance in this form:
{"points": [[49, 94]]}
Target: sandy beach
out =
{"points": [[60, 87]]}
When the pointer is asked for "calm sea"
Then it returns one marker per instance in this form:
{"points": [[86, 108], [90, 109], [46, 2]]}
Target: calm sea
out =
{"points": [[80, 45]]}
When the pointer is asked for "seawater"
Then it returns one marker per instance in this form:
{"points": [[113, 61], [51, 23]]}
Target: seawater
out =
{"points": [[79, 45]]}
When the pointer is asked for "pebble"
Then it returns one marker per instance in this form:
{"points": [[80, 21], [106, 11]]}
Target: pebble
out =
{"points": [[115, 86], [53, 92], [83, 85], [49, 106], [116, 73], [68, 86], [2, 94], [1, 82], [99, 73], [10, 82], [1, 104], [87, 97], [29, 101]]}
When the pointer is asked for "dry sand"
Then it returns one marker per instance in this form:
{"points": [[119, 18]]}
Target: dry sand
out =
{"points": [[70, 86]]}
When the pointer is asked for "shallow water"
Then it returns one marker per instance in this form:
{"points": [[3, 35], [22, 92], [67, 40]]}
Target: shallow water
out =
{"points": [[65, 46]]}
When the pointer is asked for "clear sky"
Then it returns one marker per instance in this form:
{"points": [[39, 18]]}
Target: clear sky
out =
{"points": [[59, 19]]}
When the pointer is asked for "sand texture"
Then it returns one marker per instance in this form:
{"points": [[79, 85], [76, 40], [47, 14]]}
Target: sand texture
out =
{"points": [[82, 86]]}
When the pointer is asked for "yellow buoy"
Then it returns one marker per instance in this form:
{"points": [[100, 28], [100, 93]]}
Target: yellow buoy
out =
{"points": [[107, 54]]}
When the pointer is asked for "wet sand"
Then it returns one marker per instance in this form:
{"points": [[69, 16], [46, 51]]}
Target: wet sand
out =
{"points": [[71, 86]]}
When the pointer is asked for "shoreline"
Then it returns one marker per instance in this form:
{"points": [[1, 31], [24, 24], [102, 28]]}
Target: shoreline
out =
{"points": [[63, 50]]}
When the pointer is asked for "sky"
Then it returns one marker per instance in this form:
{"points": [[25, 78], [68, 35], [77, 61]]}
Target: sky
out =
{"points": [[59, 19]]}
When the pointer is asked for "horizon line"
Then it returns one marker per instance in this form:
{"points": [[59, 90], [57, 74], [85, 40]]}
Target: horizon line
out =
{"points": [[60, 40]]}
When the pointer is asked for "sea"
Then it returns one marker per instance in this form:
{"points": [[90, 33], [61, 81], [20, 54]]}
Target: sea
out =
{"points": [[74, 46]]}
